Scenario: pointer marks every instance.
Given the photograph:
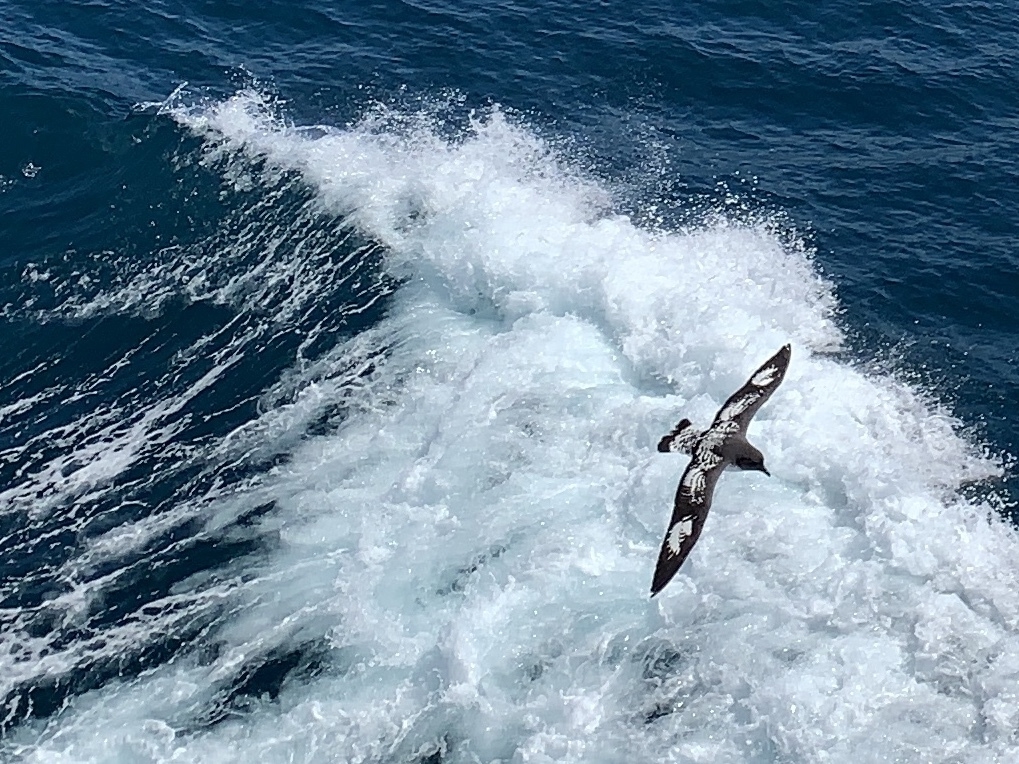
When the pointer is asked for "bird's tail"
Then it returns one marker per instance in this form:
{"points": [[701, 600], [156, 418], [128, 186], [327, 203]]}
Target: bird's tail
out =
{"points": [[681, 439]]}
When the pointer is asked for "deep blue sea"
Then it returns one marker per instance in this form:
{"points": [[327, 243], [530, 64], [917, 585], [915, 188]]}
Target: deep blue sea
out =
{"points": [[337, 339]]}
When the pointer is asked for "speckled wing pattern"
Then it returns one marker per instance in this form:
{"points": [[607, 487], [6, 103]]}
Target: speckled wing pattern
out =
{"points": [[744, 403], [693, 500], [697, 486]]}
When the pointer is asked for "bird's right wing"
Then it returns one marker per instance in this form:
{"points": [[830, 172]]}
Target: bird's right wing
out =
{"points": [[744, 403], [693, 500]]}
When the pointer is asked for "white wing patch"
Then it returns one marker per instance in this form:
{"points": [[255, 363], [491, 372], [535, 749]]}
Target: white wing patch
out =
{"points": [[679, 533], [764, 377], [738, 406], [713, 439], [693, 482]]}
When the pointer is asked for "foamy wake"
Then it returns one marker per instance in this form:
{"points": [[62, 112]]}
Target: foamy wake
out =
{"points": [[471, 553]]}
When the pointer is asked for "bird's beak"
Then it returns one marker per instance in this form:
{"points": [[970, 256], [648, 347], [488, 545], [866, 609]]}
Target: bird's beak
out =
{"points": [[765, 470]]}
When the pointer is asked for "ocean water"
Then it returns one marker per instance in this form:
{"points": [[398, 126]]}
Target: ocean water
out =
{"points": [[337, 341]]}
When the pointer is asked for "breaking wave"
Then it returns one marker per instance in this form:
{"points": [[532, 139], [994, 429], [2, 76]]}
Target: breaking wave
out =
{"points": [[435, 531]]}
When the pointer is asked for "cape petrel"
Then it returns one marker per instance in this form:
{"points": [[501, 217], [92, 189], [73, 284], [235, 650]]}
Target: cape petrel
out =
{"points": [[723, 444]]}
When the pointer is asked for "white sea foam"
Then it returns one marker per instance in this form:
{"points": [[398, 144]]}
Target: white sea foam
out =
{"points": [[474, 547]]}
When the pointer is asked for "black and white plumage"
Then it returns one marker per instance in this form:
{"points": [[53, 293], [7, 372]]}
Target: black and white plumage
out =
{"points": [[723, 444]]}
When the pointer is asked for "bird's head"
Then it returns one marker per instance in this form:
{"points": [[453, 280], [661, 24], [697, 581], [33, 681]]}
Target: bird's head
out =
{"points": [[751, 459]]}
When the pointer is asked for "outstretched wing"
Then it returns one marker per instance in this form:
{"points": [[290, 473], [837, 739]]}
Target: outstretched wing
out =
{"points": [[693, 500], [743, 404]]}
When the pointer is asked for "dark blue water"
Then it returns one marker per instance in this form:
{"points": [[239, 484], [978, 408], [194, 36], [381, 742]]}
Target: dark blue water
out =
{"points": [[161, 299]]}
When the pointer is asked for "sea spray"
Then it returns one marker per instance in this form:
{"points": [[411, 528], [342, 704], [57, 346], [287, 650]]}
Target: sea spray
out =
{"points": [[463, 560]]}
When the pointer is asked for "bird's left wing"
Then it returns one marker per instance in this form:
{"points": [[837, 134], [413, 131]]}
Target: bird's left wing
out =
{"points": [[744, 403]]}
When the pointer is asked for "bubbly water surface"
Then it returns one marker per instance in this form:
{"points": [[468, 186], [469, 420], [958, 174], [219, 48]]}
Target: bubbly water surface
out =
{"points": [[435, 536]]}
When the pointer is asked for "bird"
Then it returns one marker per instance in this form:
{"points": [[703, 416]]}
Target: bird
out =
{"points": [[723, 444]]}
